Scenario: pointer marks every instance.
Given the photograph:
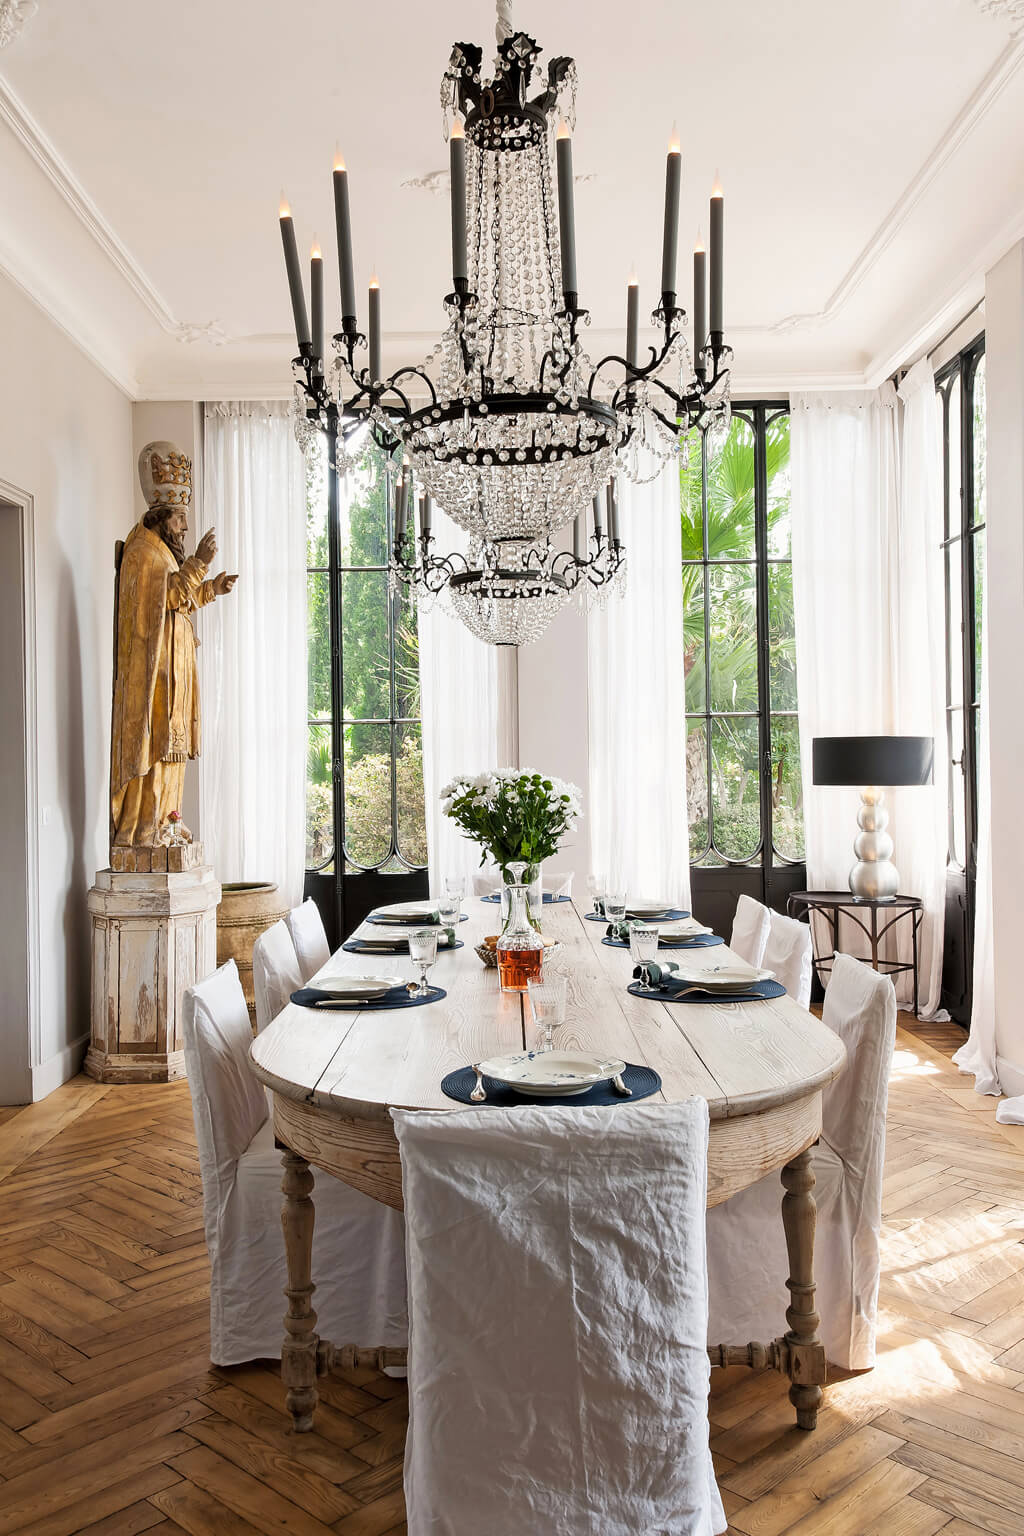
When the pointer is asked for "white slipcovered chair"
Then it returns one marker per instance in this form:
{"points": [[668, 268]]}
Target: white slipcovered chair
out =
{"points": [[558, 882], [358, 1244], [309, 938], [790, 954], [747, 1264], [558, 1374], [275, 972], [750, 930]]}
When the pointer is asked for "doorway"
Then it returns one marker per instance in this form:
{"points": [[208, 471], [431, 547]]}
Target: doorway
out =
{"points": [[18, 860]]}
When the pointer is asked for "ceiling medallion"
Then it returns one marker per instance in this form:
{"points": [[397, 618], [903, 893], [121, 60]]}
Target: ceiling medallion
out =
{"points": [[508, 425], [13, 16]]}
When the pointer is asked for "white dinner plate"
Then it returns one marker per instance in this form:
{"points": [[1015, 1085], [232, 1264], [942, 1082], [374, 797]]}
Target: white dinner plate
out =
{"points": [[735, 977], [551, 1073], [399, 945], [680, 930], [341, 985], [406, 911], [645, 906]]}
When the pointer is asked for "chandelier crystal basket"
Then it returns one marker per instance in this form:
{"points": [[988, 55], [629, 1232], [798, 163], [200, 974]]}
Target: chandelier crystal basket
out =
{"points": [[508, 425]]}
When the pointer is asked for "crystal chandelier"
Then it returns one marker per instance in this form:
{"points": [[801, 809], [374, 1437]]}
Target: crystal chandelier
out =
{"points": [[508, 425]]}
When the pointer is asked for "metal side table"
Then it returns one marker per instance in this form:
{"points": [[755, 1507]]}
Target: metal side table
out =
{"points": [[873, 918]]}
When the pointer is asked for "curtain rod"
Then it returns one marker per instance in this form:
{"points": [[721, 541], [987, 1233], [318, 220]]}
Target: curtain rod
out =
{"points": [[954, 328]]}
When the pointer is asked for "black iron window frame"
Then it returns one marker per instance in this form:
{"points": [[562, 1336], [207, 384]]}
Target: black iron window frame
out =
{"points": [[758, 415]]}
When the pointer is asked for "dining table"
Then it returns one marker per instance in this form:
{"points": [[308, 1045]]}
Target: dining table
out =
{"points": [[335, 1073]]}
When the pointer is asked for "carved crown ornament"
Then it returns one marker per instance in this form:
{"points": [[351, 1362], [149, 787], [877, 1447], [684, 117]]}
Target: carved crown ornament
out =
{"points": [[1010, 11], [13, 16]]}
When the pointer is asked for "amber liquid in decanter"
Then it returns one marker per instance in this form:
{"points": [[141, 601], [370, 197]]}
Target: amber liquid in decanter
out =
{"points": [[518, 967]]}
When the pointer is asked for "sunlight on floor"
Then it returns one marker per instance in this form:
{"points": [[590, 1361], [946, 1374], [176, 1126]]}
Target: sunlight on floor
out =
{"points": [[908, 1064]]}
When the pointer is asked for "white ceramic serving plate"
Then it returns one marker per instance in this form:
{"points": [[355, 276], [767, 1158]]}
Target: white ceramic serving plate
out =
{"points": [[341, 985], [551, 1073], [721, 978]]}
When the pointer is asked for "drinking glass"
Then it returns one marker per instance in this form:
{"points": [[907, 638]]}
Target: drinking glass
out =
{"points": [[643, 946], [455, 887], [449, 914], [615, 904], [547, 999], [596, 886], [423, 951]]}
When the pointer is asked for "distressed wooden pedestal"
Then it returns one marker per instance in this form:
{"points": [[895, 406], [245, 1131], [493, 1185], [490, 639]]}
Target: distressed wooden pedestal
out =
{"points": [[153, 935]]}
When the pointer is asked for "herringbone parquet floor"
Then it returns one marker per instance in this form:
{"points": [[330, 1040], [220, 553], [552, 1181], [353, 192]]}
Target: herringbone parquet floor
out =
{"points": [[112, 1421]]}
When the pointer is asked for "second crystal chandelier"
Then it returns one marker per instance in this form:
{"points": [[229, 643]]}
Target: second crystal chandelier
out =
{"points": [[508, 425]]}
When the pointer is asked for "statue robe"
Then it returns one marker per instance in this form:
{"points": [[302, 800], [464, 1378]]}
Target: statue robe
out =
{"points": [[156, 723]]}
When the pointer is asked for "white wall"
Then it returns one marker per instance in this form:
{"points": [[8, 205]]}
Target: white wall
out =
{"points": [[65, 439], [1004, 367]]}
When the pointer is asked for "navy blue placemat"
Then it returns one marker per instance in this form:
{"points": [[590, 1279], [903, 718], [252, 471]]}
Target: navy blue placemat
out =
{"points": [[673, 915], [761, 991], [548, 897], [398, 997], [360, 947], [700, 941], [642, 1081], [419, 922]]}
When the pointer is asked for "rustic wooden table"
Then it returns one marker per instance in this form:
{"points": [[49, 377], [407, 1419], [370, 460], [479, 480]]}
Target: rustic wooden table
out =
{"points": [[334, 1075]]}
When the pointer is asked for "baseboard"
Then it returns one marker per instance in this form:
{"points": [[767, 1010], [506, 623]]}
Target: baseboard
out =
{"points": [[59, 1069], [1011, 1077]]}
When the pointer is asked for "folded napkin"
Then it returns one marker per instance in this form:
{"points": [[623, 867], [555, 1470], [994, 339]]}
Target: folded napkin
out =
{"points": [[618, 931], [397, 997], [659, 973]]}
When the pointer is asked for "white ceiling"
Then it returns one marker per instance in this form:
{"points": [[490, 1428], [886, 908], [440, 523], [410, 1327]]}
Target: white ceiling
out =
{"points": [[872, 157]]}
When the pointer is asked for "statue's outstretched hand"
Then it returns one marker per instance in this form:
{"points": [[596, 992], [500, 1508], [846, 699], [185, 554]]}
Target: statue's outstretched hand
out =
{"points": [[222, 583], [207, 547]]}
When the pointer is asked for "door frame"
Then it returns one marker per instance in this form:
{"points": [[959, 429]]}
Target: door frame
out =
{"points": [[24, 507]]}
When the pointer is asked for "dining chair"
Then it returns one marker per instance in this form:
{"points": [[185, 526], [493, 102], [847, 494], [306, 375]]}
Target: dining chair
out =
{"points": [[358, 1244], [275, 972], [309, 937], [558, 882], [790, 954], [749, 930], [747, 1263], [558, 1373]]}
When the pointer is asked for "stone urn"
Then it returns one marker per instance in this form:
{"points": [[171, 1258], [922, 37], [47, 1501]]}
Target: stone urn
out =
{"points": [[247, 909]]}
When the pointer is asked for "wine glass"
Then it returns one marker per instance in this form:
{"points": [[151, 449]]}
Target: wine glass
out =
{"points": [[423, 952], [643, 946], [596, 885], [449, 914], [547, 999], [615, 903], [455, 887]]}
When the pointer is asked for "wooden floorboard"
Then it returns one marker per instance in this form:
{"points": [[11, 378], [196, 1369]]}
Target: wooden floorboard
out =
{"points": [[113, 1422]]}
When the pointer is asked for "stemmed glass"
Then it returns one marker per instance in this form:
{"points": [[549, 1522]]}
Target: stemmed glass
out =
{"points": [[643, 947], [596, 886], [449, 913], [615, 903], [455, 887], [423, 952], [547, 999]]}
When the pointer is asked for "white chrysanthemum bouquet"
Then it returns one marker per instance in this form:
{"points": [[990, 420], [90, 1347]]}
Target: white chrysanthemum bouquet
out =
{"points": [[516, 816]]}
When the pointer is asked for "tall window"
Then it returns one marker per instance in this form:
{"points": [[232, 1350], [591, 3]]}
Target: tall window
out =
{"points": [[960, 401], [364, 792], [743, 742]]}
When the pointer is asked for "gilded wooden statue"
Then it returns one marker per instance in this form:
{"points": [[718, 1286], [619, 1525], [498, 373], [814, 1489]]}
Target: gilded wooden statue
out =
{"points": [[156, 726]]}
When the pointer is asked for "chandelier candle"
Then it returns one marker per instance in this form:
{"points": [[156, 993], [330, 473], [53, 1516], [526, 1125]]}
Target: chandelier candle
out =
{"points": [[632, 322], [598, 518], [291, 262], [374, 328], [577, 538], [670, 241], [717, 224], [700, 302], [426, 511], [343, 220], [612, 498], [457, 162], [566, 215], [316, 297]]}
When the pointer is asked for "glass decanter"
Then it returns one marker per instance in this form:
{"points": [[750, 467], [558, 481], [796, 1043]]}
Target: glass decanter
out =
{"points": [[520, 947]]}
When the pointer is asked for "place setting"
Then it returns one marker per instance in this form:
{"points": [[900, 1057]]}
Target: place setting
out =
{"points": [[683, 933], [609, 904], [548, 1074], [671, 982], [341, 990]]}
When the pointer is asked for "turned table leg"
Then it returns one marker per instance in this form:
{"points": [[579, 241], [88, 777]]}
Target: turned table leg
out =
{"points": [[299, 1351], [806, 1352]]}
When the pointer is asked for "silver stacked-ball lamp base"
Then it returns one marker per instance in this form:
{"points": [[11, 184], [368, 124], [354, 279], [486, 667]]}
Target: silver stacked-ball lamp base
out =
{"points": [[874, 877]]}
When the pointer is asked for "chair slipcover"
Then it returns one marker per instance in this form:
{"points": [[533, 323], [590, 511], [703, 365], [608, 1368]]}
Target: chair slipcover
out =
{"points": [[558, 1301], [750, 930], [558, 882], [747, 1262], [275, 972], [306, 927], [789, 953], [358, 1244]]}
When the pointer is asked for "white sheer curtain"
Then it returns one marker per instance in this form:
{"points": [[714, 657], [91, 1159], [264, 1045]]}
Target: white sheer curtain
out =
{"points": [[869, 614], [252, 666], [459, 684], [638, 822]]}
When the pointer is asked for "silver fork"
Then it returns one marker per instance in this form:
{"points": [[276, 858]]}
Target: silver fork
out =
{"points": [[478, 1094]]}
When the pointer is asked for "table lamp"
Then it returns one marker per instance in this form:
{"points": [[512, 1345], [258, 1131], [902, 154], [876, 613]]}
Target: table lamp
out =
{"points": [[874, 763]]}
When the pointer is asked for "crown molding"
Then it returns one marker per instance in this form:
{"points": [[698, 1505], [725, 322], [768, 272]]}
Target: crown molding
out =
{"points": [[959, 130]]}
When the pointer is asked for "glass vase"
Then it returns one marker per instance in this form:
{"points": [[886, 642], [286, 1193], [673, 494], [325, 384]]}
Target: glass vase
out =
{"points": [[533, 879], [520, 947]]}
